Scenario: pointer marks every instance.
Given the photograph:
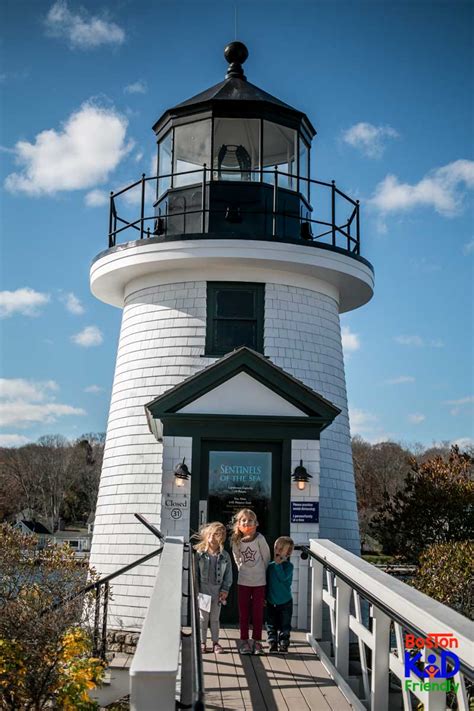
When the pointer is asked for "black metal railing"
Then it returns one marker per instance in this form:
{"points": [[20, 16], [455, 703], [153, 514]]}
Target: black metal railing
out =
{"points": [[330, 228], [101, 590]]}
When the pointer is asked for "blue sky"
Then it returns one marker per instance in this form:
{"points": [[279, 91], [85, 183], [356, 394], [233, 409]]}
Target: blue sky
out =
{"points": [[388, 86]]}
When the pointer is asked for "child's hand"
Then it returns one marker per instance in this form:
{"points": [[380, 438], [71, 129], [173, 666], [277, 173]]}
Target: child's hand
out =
{"points": [[280, 558], [223, 596]]}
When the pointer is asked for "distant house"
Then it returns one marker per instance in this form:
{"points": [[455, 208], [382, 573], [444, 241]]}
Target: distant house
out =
{"points": [[79, 539], [34, 528]]}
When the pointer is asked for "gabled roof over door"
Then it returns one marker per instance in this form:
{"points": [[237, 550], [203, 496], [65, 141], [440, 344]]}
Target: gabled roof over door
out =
{"points": [[242, 389]]}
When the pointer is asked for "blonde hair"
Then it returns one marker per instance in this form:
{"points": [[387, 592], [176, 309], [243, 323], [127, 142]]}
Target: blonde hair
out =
{"points": [[285, 542], [204, 533], [236, 534]]}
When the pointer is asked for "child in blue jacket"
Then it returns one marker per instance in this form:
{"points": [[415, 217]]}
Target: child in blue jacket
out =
{"points": [[279, 597]]}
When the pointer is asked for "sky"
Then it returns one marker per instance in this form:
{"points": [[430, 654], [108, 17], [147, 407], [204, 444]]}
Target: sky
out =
{"points": [[388, 86]]}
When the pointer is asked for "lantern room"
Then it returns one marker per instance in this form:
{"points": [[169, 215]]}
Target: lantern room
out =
{"points": [[231, 155]]}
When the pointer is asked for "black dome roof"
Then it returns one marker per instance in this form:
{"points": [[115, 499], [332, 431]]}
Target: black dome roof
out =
{"points": [[235, 96]]}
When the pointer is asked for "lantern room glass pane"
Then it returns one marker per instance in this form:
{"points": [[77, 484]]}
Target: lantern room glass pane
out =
{"points": [[192, 148], [279, 149], [164, 164], [304, 168], [236, 149]]}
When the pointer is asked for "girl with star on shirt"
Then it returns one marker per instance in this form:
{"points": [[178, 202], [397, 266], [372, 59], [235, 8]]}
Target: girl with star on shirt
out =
{"points": [[252, 556]]}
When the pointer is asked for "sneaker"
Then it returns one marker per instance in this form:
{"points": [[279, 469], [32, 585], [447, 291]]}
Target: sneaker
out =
{"points": [[273, 648], [258, 648], [283, 647], [244, 647], [216, 648]]}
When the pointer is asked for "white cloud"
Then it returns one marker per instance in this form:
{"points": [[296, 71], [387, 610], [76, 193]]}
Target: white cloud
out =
{"points": [[138, 87], [17, 388], [72, 304], [419, 342], [400, 379], [369, 139], [350, 341], [93, 389], [440, 189], [23, 402], [96, 198], [459, 404], [468, 248], [464, 442], [409, 340], [21, 413], [13, 440], [367, 425], [90, 336], [82, 30], [25, 301], [416, 418], [89, 145], [462, 401]]}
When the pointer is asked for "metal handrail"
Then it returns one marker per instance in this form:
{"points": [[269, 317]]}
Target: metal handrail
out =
{"points": [[353, 242], [97, 585]]}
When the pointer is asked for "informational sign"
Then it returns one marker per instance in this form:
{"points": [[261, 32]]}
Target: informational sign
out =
{"points": [[304, 511], [239, 480], [175, 505]]}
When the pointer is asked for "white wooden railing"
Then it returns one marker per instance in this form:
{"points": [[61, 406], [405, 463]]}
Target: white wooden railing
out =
{"points": [[154, 668], [378, 611]]}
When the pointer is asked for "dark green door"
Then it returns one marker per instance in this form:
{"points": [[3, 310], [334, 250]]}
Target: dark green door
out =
{"points": [[237, 475]]}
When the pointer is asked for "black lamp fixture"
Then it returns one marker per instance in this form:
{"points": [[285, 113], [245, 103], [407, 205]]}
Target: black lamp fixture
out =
{"points": [[181, 473], [301, 476]]}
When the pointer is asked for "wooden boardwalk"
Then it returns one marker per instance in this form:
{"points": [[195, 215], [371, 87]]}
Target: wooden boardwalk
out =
{"points": [[294, 681]]}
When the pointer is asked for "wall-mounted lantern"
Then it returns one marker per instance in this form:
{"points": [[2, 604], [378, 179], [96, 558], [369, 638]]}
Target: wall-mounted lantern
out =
{"points": [[301, 476], [181, 473]]}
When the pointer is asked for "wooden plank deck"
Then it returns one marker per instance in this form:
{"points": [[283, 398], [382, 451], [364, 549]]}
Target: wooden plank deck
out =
{"points": [[296, 681]]}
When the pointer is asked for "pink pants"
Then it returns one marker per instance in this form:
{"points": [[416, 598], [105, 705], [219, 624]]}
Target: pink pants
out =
{"points": [[251, 602]]}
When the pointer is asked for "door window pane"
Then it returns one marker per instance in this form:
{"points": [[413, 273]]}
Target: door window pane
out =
{"points": [[236, 149], [239, 480], [279, 149], [164, 164], [192, 148]]}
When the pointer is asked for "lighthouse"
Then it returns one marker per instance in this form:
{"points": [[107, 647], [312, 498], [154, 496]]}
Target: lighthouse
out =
{"points": [[229, 388]]}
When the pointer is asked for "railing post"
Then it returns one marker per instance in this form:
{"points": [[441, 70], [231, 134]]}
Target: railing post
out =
{"points": [[380, 660], [275, 201], [358, 227], [333, 212], [103, 650], [203, 214], [111, 240], [95, 647], [317, 577], [142, 214], [341, 651]]}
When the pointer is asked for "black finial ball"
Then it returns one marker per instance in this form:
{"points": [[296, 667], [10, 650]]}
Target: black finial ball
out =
{"points": [[236, 52]]}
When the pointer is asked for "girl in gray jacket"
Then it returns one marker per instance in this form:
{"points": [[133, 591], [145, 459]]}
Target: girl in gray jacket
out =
{"points": [[214, 573]]}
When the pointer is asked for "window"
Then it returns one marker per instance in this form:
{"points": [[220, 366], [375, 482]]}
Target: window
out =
{"points": [[164, 163], [236, 149], [304, 168], [234, 317], [279, 149], [192, 148]]}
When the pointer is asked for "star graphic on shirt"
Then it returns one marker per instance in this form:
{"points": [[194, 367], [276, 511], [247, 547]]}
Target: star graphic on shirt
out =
{"points": [[248, 554]]}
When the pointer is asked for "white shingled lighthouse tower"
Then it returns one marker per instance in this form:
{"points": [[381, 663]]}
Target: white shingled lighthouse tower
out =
{"points": [[229, 386]]}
